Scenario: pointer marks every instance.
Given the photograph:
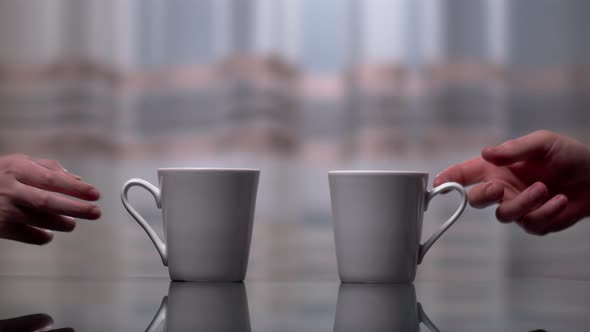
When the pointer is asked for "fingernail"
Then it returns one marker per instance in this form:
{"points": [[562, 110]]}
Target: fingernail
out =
{"points": [[538, 191], [536, 232], [438, 181], [94, 193], [561, 198], [47, 239], [96, 212], [492, 190], [71, 226], [487, 150], [77, 177]]}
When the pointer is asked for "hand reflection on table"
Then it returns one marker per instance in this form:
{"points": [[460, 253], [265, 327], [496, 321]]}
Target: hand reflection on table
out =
{"points": [[379, 307], [30, 323], [202, 306]]}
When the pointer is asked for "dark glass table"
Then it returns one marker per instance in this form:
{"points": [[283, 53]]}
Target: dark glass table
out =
{"points": [[66, 304]]}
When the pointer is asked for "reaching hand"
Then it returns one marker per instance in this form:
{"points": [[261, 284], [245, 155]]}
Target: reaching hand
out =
{"points": [[31, 204], [541, 181], [30, 323]]}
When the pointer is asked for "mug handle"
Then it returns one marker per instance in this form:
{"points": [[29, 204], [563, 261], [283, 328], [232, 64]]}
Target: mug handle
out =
{"points": [[159, 317], [425, 320], [429, 196], [160, 246]]}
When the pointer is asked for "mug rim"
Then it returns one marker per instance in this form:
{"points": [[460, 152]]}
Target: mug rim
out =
{"points": [[206, 169], [377, 172]]}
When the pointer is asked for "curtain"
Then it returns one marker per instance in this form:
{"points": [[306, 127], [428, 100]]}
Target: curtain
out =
{"points": [[116, 89]]}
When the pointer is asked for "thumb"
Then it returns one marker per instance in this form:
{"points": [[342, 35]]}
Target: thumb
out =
{"points": [[532, 146]]}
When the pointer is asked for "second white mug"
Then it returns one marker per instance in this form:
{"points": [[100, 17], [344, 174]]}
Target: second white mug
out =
{"points": [[379, 307], [378, 223]]}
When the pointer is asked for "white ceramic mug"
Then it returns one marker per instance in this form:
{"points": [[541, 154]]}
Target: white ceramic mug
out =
{"points": [[380, 307], [378, 223], [215, 306], [207, 215]]}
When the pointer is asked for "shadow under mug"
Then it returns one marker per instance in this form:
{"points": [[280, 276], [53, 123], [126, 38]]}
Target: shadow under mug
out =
{"points": [[203, 307], [378, 223], [379, 307], [207, 216]]}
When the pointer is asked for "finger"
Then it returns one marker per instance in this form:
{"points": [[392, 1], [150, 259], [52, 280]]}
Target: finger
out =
{"points": [[43, 178], [47, 202], [532, 146], [53, 222], [540, 220], [465, 173], [524, 202], [486, 194], [568, 217], [54, 165], [34, 322], [24, 233], [561, 225], [47, 221]]}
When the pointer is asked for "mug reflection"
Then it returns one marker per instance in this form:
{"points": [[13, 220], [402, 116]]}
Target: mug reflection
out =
{"points": [[30, 323], [379, 307], [203, 307]]}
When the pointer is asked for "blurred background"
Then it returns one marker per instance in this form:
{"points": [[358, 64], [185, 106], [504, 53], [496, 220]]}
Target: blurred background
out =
{"points": [[114, 89]]}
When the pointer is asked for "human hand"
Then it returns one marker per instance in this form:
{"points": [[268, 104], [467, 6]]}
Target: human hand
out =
{"points": [[37, 322], [541, 181], [31, 200]]}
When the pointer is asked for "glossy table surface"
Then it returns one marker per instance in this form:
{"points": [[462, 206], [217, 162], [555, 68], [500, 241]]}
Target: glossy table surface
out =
{"points": [[31, 304]]}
